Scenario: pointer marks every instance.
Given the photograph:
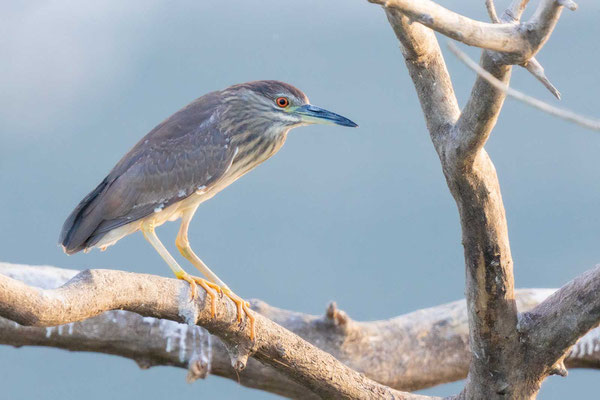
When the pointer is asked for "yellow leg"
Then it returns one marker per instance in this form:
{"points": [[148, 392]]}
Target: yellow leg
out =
{"points": [[183, 245], [150, 235]]}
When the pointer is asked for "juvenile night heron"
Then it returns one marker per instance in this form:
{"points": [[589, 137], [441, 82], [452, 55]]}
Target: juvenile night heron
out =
{"points": [[186, 160]]}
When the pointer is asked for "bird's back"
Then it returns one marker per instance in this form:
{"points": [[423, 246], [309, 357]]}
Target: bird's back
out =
{"points": [[186, 151]]}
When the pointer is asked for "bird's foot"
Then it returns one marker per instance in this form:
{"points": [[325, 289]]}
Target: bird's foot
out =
{"points": [[212, 290], [194, 281], [242, 305]]}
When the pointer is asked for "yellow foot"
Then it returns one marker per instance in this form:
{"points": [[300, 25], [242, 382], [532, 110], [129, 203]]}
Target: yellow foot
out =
{"points": [[206, 285], [241, 305]]}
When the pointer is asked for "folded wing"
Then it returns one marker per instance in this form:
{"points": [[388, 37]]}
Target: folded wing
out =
{"points": [[183, 153]]}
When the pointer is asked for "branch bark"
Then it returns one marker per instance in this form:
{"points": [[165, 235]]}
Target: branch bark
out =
{"points": [[520, 42], [589, 123], [428, 71], [498, 368], [472, 180], [93, 292], [410, 352], [552, 327], [504, 37]]}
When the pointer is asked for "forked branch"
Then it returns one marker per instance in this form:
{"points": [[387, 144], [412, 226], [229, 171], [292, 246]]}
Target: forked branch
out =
{"points": [[522, 41], [571, 116], [499, 368]]}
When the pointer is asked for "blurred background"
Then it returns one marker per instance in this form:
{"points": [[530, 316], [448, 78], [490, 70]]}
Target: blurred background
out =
{"points": [[336, 212]]}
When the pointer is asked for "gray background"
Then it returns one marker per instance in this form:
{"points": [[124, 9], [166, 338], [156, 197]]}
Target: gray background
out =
{"points": [[360, 216]]}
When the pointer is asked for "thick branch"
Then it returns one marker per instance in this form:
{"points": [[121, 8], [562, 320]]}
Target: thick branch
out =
{"points": [[472, 180], [481, 112], [539, 28], [557, 323], [500, 37], [521, 41], [92, 292], [410, 352], [428, 70]]}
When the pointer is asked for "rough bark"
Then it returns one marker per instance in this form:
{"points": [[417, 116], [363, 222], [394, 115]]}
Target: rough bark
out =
{"points": [[92, 292], [500, 366], [410, 352]]}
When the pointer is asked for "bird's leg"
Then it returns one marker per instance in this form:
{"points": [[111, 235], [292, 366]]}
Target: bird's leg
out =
{"points": [[184, 247], [150, 235], [183, 244]]}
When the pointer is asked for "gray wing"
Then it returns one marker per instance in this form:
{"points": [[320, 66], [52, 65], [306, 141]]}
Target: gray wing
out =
{"points": [[184, 152]]}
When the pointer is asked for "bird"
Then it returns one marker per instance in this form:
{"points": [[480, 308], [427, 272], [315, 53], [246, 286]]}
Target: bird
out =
{"points": [[186, 160]]}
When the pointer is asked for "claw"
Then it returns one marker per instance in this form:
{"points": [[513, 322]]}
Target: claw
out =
{"points": [[215, 287], [241, 305], [194, 282]]}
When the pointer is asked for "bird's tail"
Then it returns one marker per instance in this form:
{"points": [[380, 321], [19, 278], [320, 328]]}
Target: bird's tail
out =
{"points": [[81, 223]]}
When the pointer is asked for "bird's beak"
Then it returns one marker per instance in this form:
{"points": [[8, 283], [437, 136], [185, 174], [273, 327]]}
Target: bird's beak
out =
{"points": [[310, 114]]}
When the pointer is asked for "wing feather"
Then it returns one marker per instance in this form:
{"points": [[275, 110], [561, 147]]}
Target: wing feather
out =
{"points": [[184, 152]]}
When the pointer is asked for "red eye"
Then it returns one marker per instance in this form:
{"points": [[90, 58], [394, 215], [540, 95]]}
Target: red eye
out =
{"points": [[282, 102]]}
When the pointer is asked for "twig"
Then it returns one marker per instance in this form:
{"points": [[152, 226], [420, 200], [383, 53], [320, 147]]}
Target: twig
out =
{"points": [[536, 69], [586, 122], [571, 5], [532, 65], [489, 4]]}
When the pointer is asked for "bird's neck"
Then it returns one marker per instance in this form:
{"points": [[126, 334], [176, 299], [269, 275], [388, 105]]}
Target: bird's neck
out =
{"points": [[255, 148]]}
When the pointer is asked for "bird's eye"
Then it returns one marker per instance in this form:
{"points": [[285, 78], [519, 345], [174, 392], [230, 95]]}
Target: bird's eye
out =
{"points": [[282, 102]]}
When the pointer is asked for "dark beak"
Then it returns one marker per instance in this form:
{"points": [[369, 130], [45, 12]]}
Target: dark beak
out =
{"points": [[316, 115]]}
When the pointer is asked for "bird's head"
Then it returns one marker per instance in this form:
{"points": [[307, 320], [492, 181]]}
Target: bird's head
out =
{"points": [[277, 104]]}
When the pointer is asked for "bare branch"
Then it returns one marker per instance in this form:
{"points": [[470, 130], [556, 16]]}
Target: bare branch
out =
{"points": [[500, 37], [519, 42], [481, 112], [151, 342], [571, 5], [558, 322], [491, 8], [532, 65], [428, 70], [92, 292], [496, 367], [515, 10], [536, 69], [586, 122], [409, 352], [540, 26], [474, 185]]}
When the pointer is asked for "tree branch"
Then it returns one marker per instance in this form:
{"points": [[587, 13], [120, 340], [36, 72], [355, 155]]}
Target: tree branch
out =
{"points": [[532, 65], [556, 324], [428, 71], [481, 112], [586, 122], [410, 352], [522, 41], [472, 180], [491, 9], [500, 37], [535, 68], [495, 370], [92, 292]]}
